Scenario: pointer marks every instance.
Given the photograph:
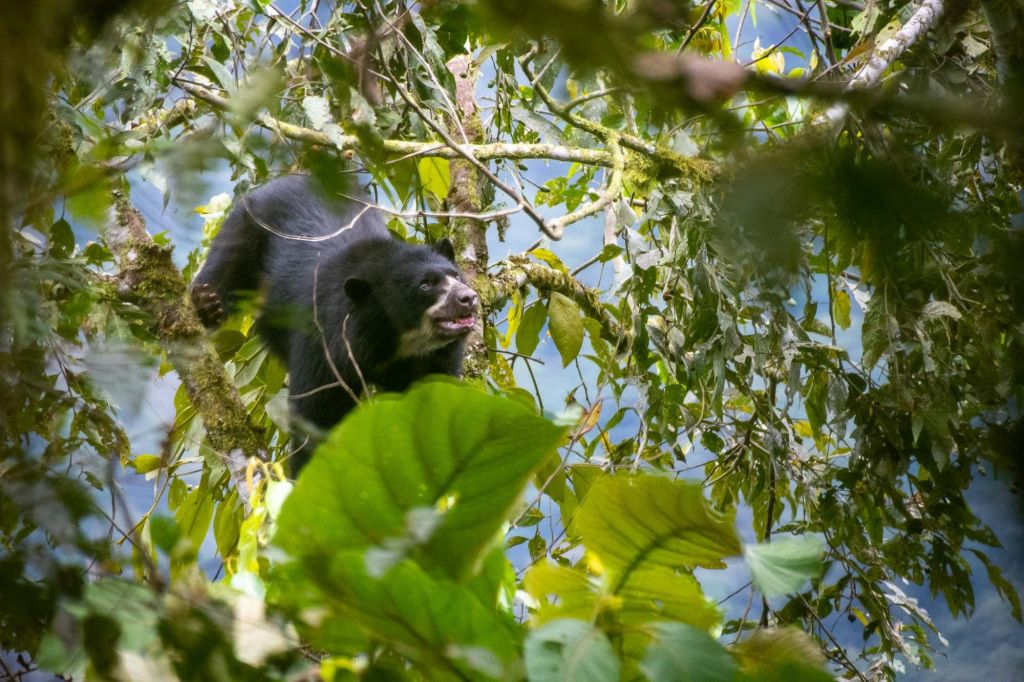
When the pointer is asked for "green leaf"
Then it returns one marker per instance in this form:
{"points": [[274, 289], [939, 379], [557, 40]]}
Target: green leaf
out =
{"points": [[879, 331], [634, 522], [657, 593], [89, 205], [566, 326], [428, 617], [575, 594], [62, 239], [164, 531], [570, 650], [548, 256], [227, 523], [815, 398], [785, 564], [1003, 586], [433, 473], [686, 654], [435, 176], [146, 463], [221, 73], [530, 326], [194, 515]]}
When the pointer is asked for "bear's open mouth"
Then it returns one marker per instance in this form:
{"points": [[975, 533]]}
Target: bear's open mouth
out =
{"points": [[457, 325]]}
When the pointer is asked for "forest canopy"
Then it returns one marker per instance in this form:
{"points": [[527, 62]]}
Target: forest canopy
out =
{"points": [[753, 327]]}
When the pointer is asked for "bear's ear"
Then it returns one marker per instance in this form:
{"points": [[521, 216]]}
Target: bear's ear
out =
{"points": [[444, 247], [357, 289]]}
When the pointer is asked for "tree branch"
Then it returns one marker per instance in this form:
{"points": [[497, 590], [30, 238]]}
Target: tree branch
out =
{"points": [[482, 152], [892, 49], [517, 272], [610, 193], [148, 278], [466, 196], [1006, 20]]}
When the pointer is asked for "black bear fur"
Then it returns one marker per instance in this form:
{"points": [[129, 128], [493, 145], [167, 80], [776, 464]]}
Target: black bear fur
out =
{"points": [[404, 309]]}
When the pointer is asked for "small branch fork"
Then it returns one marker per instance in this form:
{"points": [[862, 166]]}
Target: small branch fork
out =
{"points": [[926, 16]]}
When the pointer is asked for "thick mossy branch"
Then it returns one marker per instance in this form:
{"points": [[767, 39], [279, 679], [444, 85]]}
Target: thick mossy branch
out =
{"points": [[482, 152], [668, 162], [148, 278], [517, 272], [466, 196]]}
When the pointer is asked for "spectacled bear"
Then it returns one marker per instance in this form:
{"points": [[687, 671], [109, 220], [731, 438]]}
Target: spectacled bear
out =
{"points": [[345, 303]]}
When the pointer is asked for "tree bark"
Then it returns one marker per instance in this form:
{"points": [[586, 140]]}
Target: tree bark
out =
{"points": [[466, 196], [1006, 20], [148, 278]]}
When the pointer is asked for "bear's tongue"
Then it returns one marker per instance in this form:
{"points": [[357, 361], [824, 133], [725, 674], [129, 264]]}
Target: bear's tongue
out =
{"points": [[459, 323]]}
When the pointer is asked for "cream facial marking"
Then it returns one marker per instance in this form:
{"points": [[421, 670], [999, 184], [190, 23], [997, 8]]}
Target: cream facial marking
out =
{"points": [[425, 338]]}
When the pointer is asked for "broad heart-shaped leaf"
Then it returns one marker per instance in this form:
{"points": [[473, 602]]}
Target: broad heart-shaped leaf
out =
{"points": [[569, 649], [440, 625], [639, 522], [566, 326], [428, 619], [687, 654], [785, 564], [651, 594], [432, 473], [575, 593], [657, 593]]}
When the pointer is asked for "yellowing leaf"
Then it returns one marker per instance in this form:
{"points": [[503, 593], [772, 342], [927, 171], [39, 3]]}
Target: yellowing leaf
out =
{"points": [[550, 258], [435, 176], [575, 594], [589, 419], [515, 314], [841, 307], [774, 62], [146, 463], [640, 522]]}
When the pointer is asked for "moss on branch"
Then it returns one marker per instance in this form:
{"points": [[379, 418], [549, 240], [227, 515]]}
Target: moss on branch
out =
{"points": [[518, 272], [148, 278]]}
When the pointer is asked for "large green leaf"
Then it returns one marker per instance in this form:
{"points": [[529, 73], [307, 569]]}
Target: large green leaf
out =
{"points": [[784, 565], [635, 522], [657, 593], [431, 474], [528, 334], [575, 593], [684, 653], [651, 594], [435, 176], [435, 622], [568, 649], [566, 326]]}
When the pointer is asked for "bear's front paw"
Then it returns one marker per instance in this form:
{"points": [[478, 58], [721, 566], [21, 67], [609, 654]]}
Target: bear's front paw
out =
{"points": [[208, 305]]}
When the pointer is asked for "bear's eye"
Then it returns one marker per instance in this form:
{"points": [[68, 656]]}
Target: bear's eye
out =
{"points": [[426, 285]]}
